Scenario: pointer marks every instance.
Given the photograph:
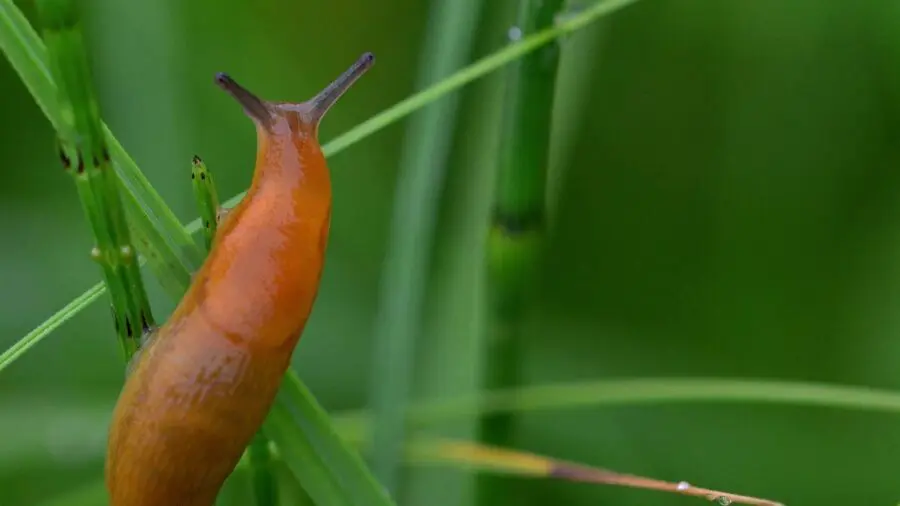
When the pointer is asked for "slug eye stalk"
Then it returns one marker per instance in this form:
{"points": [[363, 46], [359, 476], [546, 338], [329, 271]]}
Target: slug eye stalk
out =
{"points": [[311, 112]]}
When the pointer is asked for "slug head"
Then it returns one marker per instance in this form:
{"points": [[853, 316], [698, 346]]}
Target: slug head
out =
{"points": [[273, 117]]}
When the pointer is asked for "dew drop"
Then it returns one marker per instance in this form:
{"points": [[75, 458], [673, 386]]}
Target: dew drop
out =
{"points": [[683, 485], [514, 34]]}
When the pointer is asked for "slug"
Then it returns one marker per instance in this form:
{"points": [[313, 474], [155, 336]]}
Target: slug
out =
{"points": [[201, 386]]}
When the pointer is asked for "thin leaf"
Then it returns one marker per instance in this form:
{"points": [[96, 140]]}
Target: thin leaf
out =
{"points": [[298, 409], [644, 391], [19, 348], [493, 459], [302, 458], [423, 163]]}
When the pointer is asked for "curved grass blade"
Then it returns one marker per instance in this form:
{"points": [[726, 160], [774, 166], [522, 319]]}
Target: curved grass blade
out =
{"points": [[21, 346], [297, 417], [353, 426], [639, 392], [498, 460]]}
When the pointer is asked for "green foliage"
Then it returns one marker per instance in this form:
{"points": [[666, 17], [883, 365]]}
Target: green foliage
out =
{"points": [[207, 198], [423, 165], [724, 207]]}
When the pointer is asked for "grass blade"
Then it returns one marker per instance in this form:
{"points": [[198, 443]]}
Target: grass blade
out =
{"points": [[639, 392], [423, 165], [298, 409], [265, 486], [21, 346], [498, 460], [296, 448]]}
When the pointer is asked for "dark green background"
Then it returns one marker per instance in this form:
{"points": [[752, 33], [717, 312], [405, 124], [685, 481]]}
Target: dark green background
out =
{"points": [[727, 204]]}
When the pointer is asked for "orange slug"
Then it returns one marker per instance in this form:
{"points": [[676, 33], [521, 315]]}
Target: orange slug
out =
{"points": [[201, 386]]}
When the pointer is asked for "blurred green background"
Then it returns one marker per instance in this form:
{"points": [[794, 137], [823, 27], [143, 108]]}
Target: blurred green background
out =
{"points": [[727, 203]]}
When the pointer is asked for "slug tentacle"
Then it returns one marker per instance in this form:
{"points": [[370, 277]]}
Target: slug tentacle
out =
{"points": [[259, 110], [315, 108], [311, 112]]}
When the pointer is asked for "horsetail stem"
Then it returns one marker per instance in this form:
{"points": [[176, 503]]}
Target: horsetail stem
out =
{"points": [[207, 198], [262, 475], [84, 154], [517, 222]]}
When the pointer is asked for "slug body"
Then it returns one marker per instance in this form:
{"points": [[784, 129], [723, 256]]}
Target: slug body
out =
{"points": [[203, 384]]}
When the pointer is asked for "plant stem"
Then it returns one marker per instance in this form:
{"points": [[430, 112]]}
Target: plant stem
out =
{"points": [[422, 171], [265, 489], [84, 154], [517, 224], [207, 198], [172, 253]]}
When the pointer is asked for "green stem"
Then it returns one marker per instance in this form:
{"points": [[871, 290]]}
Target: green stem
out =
{"points": [[262, 477], [517, 223], [207, 198], [85, 155], [158, 234], [422, 170]]}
